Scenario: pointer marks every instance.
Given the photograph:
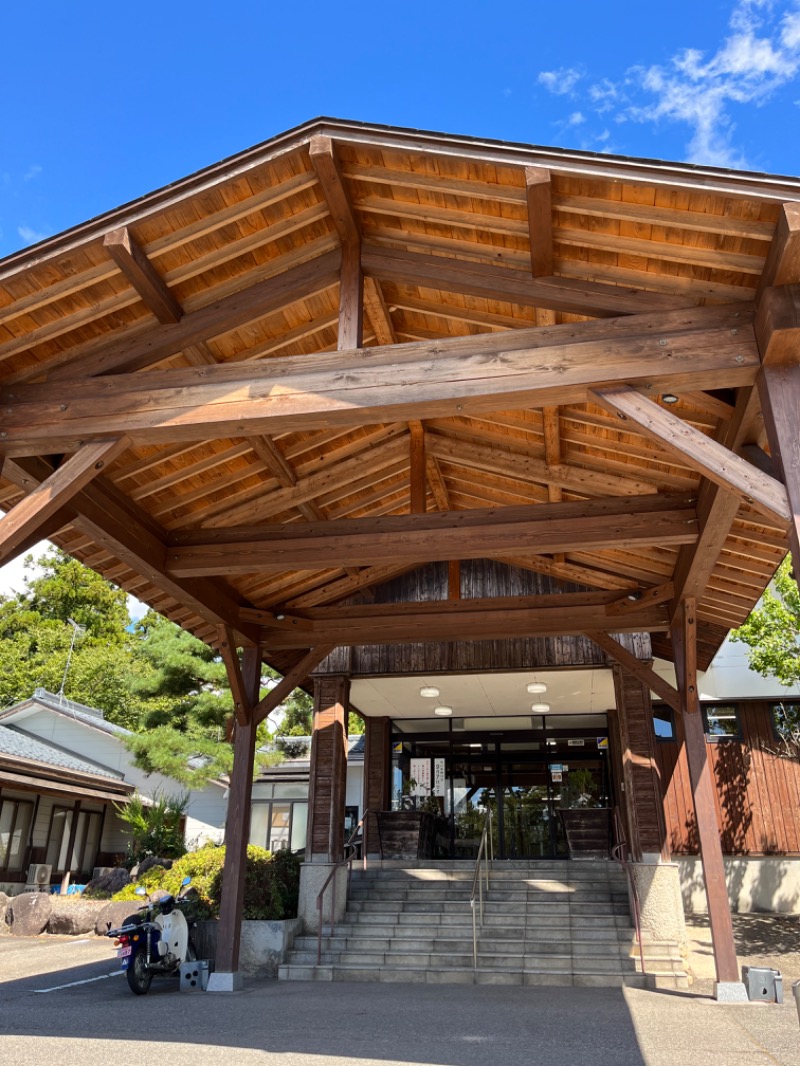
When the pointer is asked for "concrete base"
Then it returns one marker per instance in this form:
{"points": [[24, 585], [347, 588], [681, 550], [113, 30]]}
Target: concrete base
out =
{"points": [[796, 994], [313, 876], [661, 906], [263, 945], [730, 992], [224, 982], [768, 884]]}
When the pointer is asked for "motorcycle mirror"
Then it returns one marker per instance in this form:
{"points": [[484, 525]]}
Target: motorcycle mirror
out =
{"points": [[185, 882], [141, 891]]}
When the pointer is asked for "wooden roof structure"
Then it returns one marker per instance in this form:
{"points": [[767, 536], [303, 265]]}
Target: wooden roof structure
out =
{"points": [[266, 388]]}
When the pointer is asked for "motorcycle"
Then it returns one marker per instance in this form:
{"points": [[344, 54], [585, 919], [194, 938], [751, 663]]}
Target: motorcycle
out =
{"points": [[157, 940]]}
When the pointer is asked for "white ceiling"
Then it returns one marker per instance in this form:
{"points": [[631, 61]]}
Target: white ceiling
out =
{"points": [[485, 695]]}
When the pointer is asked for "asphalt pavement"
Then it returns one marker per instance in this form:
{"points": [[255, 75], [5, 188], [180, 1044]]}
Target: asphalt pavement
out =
{"points": [[64, 1001]]}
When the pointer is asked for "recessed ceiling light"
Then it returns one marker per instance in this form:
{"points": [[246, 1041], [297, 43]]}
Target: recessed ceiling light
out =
{"points": [[430, 692], [443, 712], [540, 708], [536, 688]]}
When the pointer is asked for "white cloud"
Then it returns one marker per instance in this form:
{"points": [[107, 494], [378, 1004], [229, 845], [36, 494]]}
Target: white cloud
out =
{"points": [[29, 235], [560, 82], [32, 172], [702, 90], [13, 574], [577, 118]]}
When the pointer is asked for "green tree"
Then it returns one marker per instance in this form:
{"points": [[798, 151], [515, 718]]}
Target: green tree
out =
{"points": [[772, 630]]}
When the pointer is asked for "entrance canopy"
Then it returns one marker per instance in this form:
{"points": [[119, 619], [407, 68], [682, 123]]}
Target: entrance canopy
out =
{"points": [[254, 396]]}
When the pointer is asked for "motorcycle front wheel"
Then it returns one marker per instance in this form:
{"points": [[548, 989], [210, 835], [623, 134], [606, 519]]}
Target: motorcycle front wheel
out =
{"points": [[139, 977]]}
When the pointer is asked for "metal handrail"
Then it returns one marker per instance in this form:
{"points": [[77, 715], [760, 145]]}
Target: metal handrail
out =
{"points": [[619, 853], [352, 844], [486, 845]]}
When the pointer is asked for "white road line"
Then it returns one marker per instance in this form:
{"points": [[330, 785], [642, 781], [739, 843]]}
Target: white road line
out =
{"points": [[87, 981]]}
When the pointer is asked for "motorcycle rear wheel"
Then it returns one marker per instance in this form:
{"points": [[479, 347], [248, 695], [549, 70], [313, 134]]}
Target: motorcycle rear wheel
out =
{"points": [[139, 978]]}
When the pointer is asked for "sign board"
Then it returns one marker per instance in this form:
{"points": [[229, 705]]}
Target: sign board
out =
{"points": [[556, 767], [557, 776], [397, 748], [575, 742], [602, 743], [438, 777], [421, 773]]}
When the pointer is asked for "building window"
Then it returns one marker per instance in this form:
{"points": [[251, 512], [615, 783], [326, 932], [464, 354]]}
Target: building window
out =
{"points": [[279, 825], [721, 722], [85, 847], [786, 721], [664, 723], [15, 826]]}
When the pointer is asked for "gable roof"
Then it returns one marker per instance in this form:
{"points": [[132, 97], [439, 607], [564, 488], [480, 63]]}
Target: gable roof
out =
{"points": [[474, 251], [79, 712], [21, 745]]}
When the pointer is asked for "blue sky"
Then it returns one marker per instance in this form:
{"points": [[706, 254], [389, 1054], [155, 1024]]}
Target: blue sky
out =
{"points": [[105, 102]]}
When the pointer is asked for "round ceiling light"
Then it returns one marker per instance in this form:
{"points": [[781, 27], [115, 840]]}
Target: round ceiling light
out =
{"points": [[430, 692], [443, 712], [536, 688], [540, 708]]}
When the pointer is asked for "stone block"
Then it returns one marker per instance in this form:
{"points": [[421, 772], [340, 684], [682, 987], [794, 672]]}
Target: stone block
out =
{"points": [[73, 916], [30, 913]]}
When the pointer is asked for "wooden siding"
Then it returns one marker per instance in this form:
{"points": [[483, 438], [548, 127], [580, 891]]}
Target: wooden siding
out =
{"points": [[377, 777], [328, 770], [757, 792], [479, 578]]}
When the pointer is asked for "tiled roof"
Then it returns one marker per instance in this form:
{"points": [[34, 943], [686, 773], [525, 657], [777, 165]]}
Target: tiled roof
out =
{"points": [[21, 745], [90, 716]]}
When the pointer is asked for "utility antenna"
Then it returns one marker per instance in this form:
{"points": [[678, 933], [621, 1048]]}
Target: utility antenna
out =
{"points": [[75, 630]]}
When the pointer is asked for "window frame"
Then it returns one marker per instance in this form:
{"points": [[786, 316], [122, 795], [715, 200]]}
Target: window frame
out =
{"points": [[715, 738], [667, 714]]}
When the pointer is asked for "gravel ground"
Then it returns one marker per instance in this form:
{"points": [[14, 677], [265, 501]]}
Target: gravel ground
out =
{"points": [[761, 940]]}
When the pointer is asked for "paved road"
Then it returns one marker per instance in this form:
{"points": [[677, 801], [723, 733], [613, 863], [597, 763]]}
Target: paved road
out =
{"points": [[303, 1024]]}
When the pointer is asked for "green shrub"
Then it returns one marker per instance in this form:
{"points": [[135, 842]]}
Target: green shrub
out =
{"points": [[155, 827], [271, 882]]}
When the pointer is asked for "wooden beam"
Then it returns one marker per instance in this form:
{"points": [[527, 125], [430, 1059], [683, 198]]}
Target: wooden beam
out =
{"points": [[102, 513], [641, 670], [716, 510], [778, 325], [340, 589], [237, 824], [378, 313], [134, 350], [513, 286], [463, 375], [714, 461], [454, 580], [552, 449], [684, 642], [537, 529], [142, 275], [242, 703], [780, 402], [294, 677], [351, 286], [540, 220], [467, 619], [639, 598], [783, 260], [28, 518], [437, 484], [418, 474]]}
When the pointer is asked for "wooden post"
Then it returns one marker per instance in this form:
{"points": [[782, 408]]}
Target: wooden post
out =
{"points": [[684, 643], [73, 832], [377, 777], [237, 829], [779, 388], [645, 806], [325, 840]]}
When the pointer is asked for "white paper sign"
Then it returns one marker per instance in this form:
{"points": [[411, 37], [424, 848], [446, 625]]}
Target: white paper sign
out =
{"points": [[438, 777], [421, 773]]}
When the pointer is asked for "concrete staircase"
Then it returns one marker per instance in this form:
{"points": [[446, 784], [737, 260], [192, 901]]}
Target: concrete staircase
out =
{"points": [[545, 923]]}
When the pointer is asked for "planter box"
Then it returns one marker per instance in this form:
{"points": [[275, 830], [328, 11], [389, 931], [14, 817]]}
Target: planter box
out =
{"points": [[263, 946], [588, 831], [406, 834]]}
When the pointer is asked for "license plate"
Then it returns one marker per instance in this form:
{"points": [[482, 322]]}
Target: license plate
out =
{"points": [[122, 953]]}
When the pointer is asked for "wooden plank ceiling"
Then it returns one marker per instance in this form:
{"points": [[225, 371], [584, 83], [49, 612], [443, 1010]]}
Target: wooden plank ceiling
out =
{"points": [[257, 435]]}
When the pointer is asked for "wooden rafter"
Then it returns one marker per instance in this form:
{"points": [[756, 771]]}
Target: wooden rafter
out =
{"points": [[28, 518], [142, 275], [290, 681], [713, 460], [642, 670], [100, 512], [540, 220]]}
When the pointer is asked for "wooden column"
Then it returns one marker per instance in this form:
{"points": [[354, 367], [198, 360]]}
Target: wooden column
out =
{"points": [[645, 806], [684, 643], [325, 840], [377, 777], [779, 388], [237, 822]]}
